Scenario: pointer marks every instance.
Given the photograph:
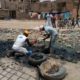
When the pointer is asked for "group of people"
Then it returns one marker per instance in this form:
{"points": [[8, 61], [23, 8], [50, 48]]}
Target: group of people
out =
{"points": [[22, 38]]}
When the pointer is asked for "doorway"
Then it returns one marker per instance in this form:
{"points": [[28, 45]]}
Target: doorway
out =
{"points": [[12, 14]]}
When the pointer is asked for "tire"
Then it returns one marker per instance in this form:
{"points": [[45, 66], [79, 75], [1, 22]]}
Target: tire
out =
{"points": [[57, 75], [10, 53], [35, 60], [46, 51]]}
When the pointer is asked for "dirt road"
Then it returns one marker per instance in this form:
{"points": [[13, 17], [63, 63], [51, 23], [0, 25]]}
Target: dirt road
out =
{"points": [[28, 24]]}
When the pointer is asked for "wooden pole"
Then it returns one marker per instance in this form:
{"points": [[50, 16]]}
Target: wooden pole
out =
{"points": [[77, 12]]}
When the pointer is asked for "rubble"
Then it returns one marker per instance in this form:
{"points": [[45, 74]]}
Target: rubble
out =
{"points": [[8, 35]]}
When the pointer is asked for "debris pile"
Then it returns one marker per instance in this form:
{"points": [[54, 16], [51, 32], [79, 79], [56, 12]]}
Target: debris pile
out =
{"points": [[52, 70]]}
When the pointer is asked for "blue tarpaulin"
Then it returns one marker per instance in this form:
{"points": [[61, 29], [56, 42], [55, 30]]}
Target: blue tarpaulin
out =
{"points": [[66, 15]]}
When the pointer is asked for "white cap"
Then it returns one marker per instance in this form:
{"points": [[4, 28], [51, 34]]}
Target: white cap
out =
{"points": [[40, 26]]}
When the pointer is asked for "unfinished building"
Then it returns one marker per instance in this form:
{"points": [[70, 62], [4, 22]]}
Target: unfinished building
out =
{"points": [[18, 9], [14, 8]]}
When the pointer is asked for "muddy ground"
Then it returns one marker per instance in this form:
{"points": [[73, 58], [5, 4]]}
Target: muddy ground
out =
{"points": [[68, 38]]}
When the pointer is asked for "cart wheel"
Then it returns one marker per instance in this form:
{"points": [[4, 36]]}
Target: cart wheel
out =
{"points": [[37, 58]]}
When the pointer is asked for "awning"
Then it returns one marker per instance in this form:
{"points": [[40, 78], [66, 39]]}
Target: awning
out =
{"points": [[46, 0]]}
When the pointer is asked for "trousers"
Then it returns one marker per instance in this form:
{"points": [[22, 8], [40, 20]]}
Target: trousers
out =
{"points": [[52, 43], [20, 49]]}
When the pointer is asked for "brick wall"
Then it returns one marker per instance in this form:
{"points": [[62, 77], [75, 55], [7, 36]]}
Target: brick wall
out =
{"points": [[71, 8], [25, 6]]}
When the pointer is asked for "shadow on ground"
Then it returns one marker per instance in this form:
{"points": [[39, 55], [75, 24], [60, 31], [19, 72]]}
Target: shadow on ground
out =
{"points": [[6, 42], [64, 53], [5, 46]]}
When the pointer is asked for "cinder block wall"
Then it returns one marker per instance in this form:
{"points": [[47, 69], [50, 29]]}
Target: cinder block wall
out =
{"points": [[4, 14]]}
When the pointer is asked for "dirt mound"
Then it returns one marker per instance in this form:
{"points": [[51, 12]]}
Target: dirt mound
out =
{"points": [[50, 66]]}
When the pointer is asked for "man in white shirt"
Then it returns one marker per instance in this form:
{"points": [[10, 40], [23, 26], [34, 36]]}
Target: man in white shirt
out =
{"points": [[50, 31], [19, 43]]}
